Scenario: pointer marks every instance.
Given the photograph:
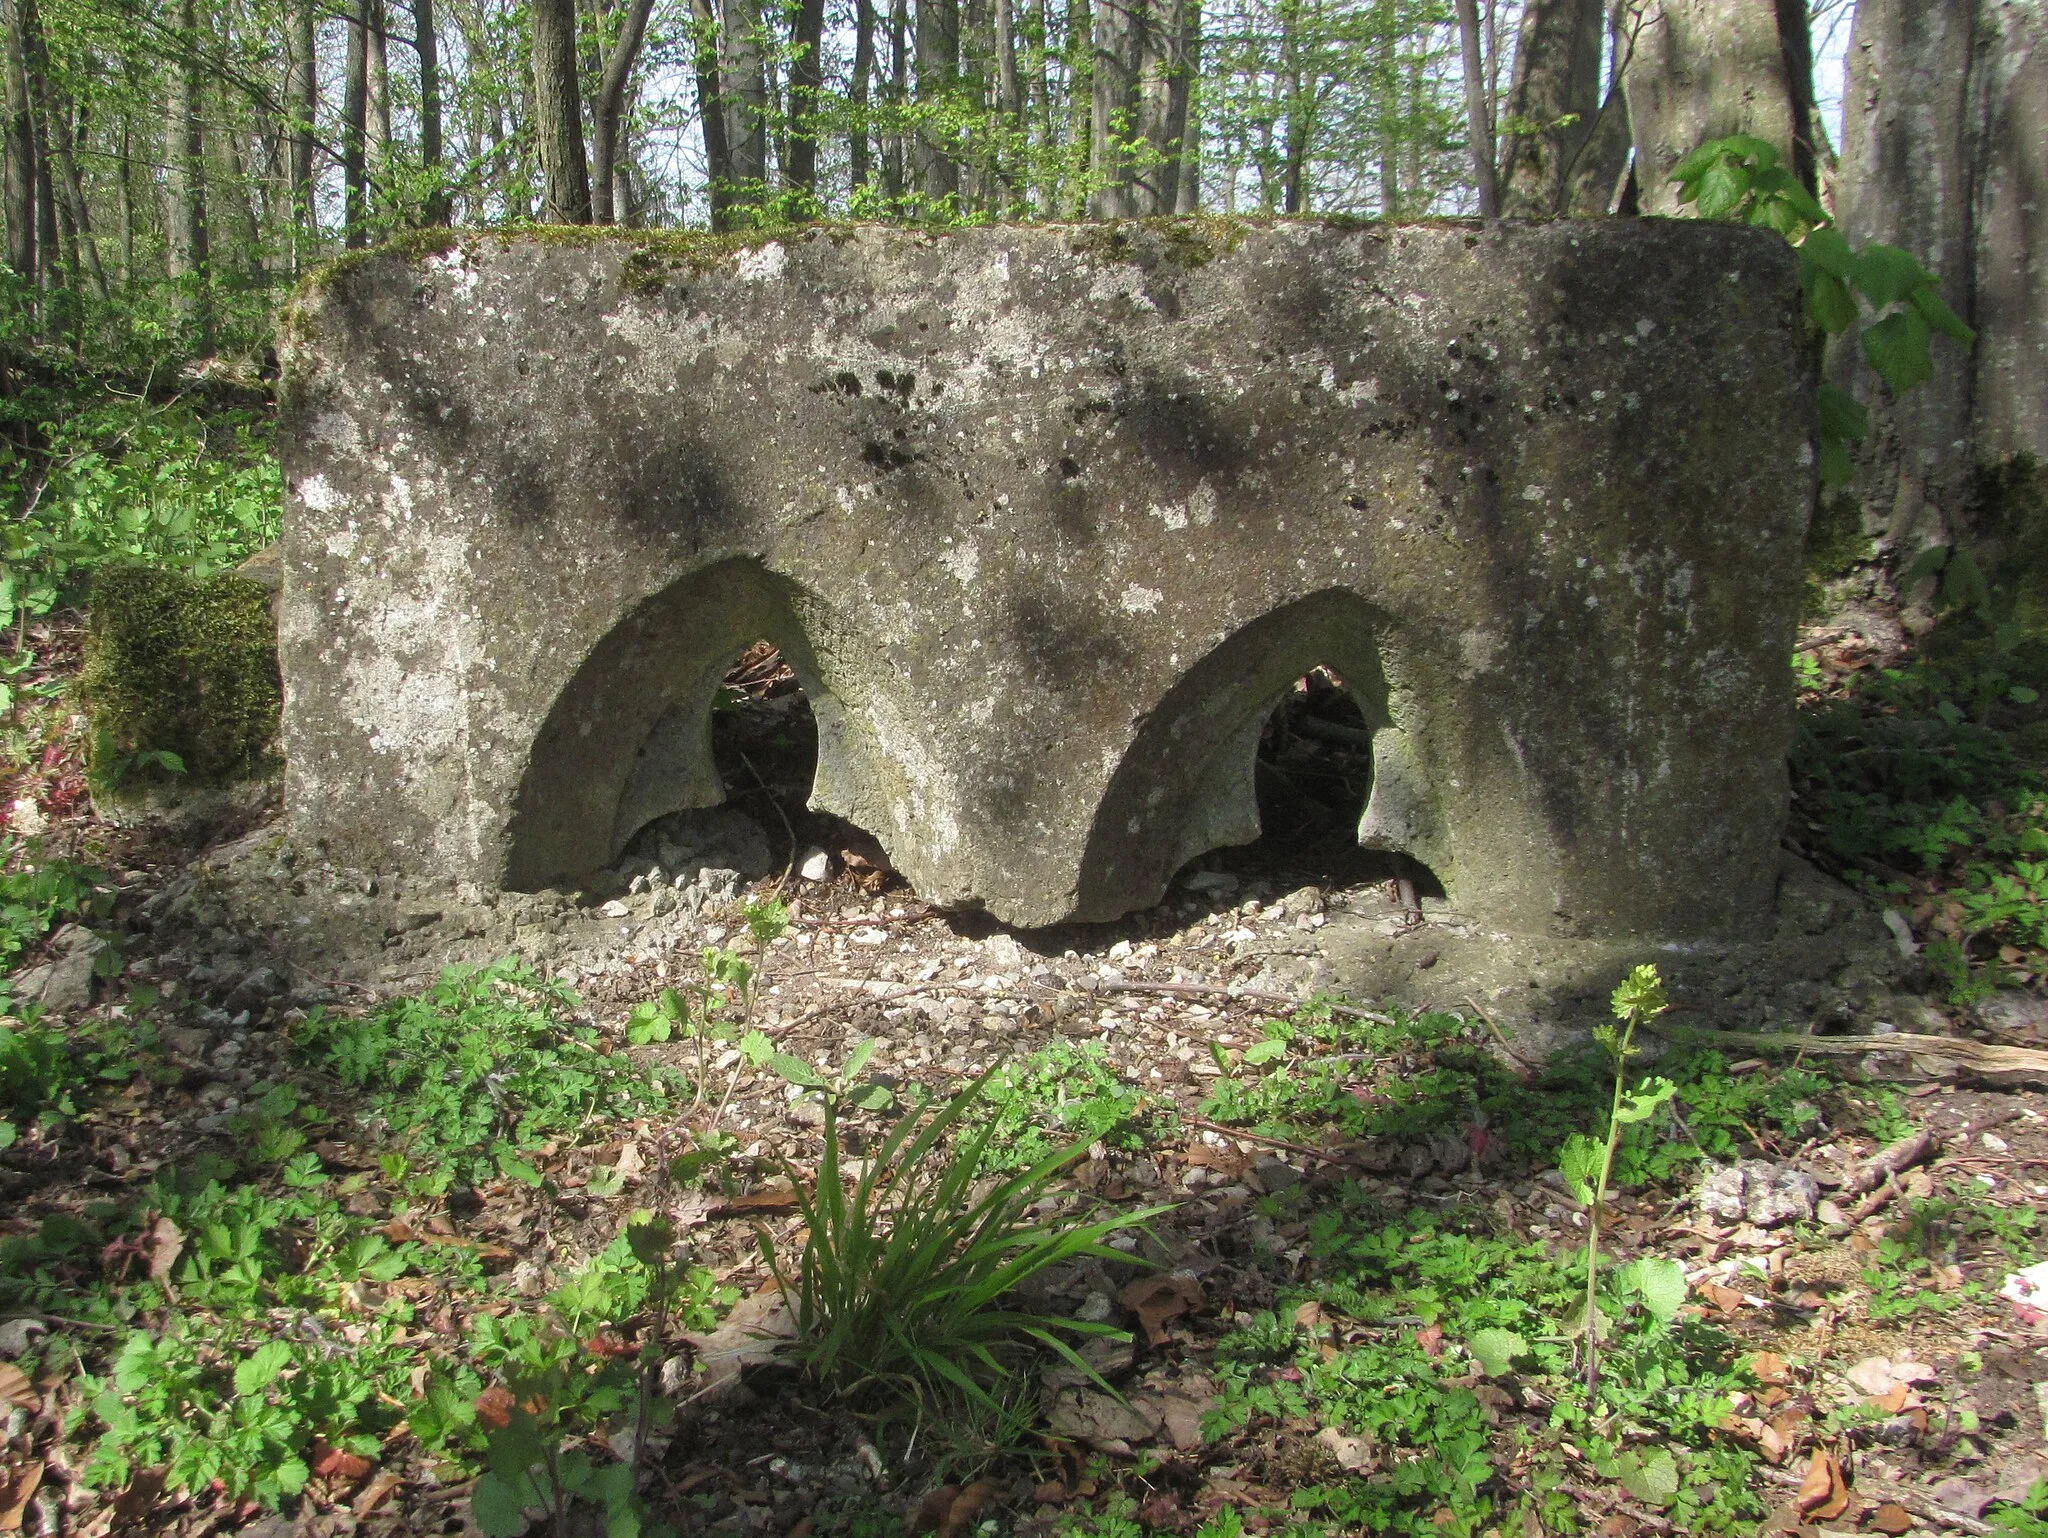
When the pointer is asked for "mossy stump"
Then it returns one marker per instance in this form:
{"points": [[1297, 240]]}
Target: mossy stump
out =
{"points": [[179, 665]]}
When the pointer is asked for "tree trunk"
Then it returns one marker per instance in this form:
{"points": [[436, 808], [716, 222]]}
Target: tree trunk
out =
{"points": [[1704, 69], [1187, 194], [375, 36], [21, 152], [746, 105], [938, 78], [185, 185], [1553, 103], [1163, 80], [711, 113], [1478, 110], [1009, 108], [73, 191], [302, 102], [558, 114], [611, 108], [806, 86], [1113, 94], [1945, 153], [427, 44], [860, 143], [355, 119], [2009, 102], [895, 153]]}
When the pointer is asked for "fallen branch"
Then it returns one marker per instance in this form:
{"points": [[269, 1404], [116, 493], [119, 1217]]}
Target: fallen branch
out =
{"points": [[1303, 1149], [1999, 1065], [1888, 1162]]}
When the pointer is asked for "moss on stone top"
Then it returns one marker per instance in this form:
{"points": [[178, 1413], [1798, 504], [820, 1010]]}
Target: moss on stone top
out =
{"points": [[179, 664]]}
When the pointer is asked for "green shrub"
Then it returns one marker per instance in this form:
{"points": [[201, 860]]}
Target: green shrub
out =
{"points": [[180, 675]]}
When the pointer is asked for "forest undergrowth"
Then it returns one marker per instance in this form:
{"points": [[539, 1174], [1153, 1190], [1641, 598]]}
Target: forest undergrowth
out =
{"points": [[491, 1254]]}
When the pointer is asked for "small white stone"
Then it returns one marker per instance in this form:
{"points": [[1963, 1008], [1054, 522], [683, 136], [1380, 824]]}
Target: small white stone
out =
{"points": [[816, 865]]}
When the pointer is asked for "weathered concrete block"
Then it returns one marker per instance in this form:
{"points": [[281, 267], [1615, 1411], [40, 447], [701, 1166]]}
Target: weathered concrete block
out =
{"points": [[1047, 519]]}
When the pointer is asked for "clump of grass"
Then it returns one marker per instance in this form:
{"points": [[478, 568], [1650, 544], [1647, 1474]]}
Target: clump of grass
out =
{"points": [[903, 1292]]}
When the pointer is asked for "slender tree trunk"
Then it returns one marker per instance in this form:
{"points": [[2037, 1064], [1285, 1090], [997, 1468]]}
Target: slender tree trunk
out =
{"points": [[185, 184], [1703, 69], [21, 151], [895, 149], [1010, 107], [558, 114], [126, 186], [376, 36], [1162, 107], [1478, 110], [859, 148], [711, 111], [302, 101], [745, 77], [1114, 91], [806, 86], [73, 188], [427, 44], [1074, 192], [938, 79], [1553, 103], [355, 119], [611, 107], [1187, 194]]}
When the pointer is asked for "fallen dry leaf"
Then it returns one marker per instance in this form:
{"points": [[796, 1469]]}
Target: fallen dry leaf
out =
{"points": [[376, 1493], [494, 1407], [15, 1494], [1823, 1493], [1430, 1340], [15, 1389], [967, 1506], [1353, 1454], [775, 1196], [1714, 1295], [1156, 1299], [166, 1244], [1891, 1517], [1309, 1317], [1769, 1367], [334, 1463]]}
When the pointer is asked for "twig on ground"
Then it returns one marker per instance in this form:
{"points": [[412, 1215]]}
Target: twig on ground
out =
{"points": [[1273, 1142], [1500, 1036]]}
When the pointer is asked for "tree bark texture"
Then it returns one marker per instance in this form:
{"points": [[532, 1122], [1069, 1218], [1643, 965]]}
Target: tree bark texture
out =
{"points": [[1945, 153], [1704, 69], [558, 114], [806, 87], [21, 152], [355, 119], [302, 102], [744, 76], [1553, 104], [1478, 113], [185, 182], [611, 109], [427, 44], [711, 114], [938, 77], [859, 155]]}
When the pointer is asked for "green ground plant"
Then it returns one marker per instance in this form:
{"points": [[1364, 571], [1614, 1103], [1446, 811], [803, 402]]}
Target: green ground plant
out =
{"points": [[108, 477], [1064, 1093], [903, 1291], [481, 1067]]}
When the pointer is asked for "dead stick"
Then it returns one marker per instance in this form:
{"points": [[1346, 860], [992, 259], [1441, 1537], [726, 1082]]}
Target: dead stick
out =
{"points": [[1498, 1034], [1272, 1142], [1889, 1162]]}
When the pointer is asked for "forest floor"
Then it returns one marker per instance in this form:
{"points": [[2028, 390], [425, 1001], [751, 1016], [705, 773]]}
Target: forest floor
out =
{"points": [[284, 1209]]}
